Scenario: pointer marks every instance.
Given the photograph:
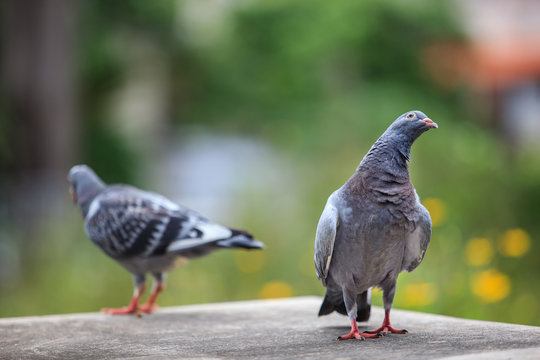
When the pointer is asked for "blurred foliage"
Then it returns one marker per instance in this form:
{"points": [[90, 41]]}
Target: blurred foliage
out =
{"points": [[320, 81]]}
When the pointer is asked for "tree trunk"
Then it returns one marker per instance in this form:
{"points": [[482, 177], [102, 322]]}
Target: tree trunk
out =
{"points": [[39, 83]]}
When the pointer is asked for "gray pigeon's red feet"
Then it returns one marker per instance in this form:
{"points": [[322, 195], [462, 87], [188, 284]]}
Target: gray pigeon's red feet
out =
{"points": [[386, 328], [356, 334]]}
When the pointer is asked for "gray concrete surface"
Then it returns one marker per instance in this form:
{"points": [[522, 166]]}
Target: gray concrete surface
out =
{"points": [[272, 329]]}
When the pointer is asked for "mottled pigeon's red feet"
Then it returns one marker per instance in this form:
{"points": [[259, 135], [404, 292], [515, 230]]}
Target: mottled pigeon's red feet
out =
{"points": [[132, 308], [355, 334], [151, 305], [148, 308], [386, 328], [120, 311]]}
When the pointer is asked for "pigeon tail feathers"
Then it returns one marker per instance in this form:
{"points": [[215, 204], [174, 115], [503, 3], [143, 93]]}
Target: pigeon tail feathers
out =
{"points": [[333, 301], [328, 307], [240, 239]]}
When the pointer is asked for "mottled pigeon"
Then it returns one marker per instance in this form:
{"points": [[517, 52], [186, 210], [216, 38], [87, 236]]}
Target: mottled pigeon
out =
{"points": [[145, 232], [372, 228]]}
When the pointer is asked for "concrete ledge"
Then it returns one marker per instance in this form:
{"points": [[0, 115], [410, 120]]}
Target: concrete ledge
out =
{"points": [[272, 329]]}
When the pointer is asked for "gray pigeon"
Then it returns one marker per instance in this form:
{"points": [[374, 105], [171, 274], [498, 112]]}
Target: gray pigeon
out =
{"points": [[372, 228], [145, 232]]}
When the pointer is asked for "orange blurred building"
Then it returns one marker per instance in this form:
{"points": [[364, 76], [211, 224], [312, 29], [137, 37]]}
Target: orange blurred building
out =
{"points": [[500, 61]]}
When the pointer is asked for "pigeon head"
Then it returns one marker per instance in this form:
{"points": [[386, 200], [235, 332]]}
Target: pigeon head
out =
{"points": [[402, 133], [411, 125], [84, 185], [398, 138]]}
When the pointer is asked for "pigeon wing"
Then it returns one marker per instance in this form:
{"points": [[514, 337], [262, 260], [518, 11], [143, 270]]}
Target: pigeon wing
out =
{"points": [[418, 240], [324, 240], [125, 222]]}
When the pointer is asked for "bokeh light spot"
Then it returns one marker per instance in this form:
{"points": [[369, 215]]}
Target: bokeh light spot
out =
{"points": [[437, 210], [491, 285], [478, 252], [275, 289], [515, 243], [249, 261], [420, 294]]}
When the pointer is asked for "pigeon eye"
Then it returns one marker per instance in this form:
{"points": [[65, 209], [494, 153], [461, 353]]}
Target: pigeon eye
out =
{"points": [[411, 115]]}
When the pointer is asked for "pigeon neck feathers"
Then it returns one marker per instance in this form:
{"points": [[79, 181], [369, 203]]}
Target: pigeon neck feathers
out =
{"points": [[384, 170], [390, 153], [87, 185], [86, 199], [383, 178], [394, 145]]}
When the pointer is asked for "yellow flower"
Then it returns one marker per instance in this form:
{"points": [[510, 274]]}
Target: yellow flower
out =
{"points": [[491, 285], [249, 262], [275, 289], [515, 242], [420, 294], [478, 252], [437, 210]]}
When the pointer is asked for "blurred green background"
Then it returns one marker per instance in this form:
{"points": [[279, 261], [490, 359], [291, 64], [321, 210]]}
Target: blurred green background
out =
{"points": [[252, 113]]}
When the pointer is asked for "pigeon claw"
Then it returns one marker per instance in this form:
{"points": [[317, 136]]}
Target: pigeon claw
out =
{"points": [[132, 308], [355, 335], [120, 311], [137, 310], [385, 330], [386, 327], [148, 308]]}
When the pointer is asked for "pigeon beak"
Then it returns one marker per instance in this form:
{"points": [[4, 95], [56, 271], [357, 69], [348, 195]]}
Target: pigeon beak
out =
{"points": [[73, 195], [430, 123]]}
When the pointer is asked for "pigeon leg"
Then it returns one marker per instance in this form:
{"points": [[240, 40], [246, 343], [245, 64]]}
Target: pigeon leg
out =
{"points": [[356, 334], [386, 327], [352, 308], [388, 298], [133, 306], [158, 286]]}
